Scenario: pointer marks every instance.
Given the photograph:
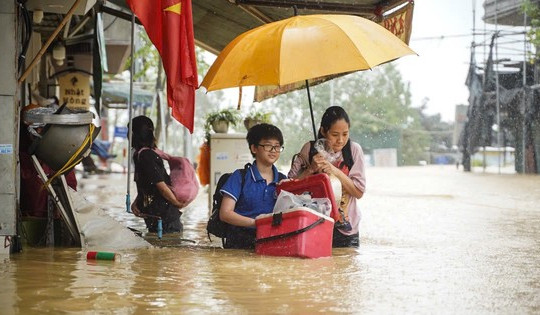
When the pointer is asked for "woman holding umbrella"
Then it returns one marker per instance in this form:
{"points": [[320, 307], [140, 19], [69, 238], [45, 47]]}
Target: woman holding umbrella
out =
{"points": [[347, 165]]}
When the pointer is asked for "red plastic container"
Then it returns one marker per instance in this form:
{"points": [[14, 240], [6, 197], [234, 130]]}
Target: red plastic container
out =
{"points": [[318, 186], [298, 232]]}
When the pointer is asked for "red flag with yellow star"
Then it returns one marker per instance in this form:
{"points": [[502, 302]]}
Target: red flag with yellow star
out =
{"points": [[169, 26]]}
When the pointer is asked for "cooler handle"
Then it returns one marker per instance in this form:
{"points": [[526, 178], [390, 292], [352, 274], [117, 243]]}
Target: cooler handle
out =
{"points": [[293, 233]]}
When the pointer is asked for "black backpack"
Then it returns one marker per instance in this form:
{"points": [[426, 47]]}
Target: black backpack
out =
{"points": [[215, 226]]}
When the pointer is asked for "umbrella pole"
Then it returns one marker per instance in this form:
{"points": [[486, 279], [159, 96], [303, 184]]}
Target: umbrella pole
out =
{"points": [[311, 111], [130, 112]]}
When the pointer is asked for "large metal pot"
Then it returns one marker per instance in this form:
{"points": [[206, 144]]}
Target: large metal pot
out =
{"points": [[62, 138]]}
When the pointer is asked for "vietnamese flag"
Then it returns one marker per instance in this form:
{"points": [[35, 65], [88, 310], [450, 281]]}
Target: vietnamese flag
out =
{"points": [[169, 26]]}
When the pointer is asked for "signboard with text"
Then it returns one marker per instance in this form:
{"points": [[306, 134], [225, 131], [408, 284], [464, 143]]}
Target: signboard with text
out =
{"points": [[75, 91], [120, 132]]}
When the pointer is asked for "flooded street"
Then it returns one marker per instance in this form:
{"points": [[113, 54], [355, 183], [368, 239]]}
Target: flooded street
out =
{"points": [[433, 240]]}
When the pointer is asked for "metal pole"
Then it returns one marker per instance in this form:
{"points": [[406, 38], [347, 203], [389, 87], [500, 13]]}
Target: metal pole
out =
{"points": [[308, 95], [484, 163], [524, 100], [497, 91], [311, 111], [484, 44], [130, 111], [474, 20], [332, 93], [188, 151]]}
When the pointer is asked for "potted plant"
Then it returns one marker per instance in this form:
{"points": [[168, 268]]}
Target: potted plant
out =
{"points": [[220, 120], [255, 118]]}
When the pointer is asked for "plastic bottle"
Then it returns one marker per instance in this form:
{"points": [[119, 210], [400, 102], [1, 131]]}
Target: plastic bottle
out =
{"points": [[92, 255]]}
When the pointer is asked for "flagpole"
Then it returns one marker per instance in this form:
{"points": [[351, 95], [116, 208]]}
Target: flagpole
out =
{"points": [[130, 112]]}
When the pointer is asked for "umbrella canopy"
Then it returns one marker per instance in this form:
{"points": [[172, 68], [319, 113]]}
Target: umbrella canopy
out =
{"points": [[303, 47]]}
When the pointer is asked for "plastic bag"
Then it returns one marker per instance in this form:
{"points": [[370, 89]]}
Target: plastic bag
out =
{"points": [[287, 200], [184, 182], [323, 148], [337, 188], [183, 179]]}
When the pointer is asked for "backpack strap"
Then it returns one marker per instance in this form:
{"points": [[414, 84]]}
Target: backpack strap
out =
{"points": [[312, 151], [243, 172], [305, 164], [163, 155], [142, 149]]}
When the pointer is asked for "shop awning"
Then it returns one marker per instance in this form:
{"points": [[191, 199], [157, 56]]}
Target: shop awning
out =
{"points": [[217, 22], [116, 95]]}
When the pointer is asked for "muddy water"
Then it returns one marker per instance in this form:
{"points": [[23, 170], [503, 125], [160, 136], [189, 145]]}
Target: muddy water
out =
{"points": [[433, 240]]}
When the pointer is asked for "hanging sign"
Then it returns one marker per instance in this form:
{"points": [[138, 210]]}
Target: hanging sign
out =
{"points": [[121, 132], [75, 91], [400, 22]]}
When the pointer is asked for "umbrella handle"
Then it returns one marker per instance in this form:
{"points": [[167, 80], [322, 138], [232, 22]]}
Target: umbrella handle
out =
{"points": [[311, 111]]}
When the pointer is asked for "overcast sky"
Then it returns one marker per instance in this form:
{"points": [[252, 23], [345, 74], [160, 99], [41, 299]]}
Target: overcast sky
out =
{"points": [[440, 70]]}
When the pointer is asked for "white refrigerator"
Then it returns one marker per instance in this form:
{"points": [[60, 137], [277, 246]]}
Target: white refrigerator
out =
{"points": [[228, 152]]}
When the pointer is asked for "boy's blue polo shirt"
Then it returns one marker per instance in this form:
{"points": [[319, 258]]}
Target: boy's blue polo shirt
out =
{"points": [[257, 196]]}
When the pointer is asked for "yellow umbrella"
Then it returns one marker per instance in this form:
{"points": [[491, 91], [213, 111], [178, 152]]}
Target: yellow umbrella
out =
{"points": [[303, 47]]}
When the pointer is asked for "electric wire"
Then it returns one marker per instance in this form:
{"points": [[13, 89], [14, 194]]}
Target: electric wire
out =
{"points": [[26, 33], [73, 159]]}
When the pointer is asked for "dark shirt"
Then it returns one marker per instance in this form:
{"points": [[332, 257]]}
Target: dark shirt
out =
{"points": [[149, 170]]}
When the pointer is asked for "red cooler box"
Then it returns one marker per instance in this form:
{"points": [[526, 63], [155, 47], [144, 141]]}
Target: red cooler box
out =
{"points": [[299, 232], [318, 186]]}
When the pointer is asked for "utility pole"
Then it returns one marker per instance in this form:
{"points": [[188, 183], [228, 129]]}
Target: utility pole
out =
{"points": [[498, 105], [524, 98]]}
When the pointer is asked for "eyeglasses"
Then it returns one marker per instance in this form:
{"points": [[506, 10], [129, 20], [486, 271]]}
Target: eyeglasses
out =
{"points": [[269, 147]]}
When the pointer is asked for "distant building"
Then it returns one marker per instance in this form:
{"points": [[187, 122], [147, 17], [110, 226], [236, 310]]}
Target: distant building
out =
{"points": [[504, 100]]}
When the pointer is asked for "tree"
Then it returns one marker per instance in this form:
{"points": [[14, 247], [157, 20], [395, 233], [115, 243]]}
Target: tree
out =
{"points": [[532, 10], [440, 132], [378, 103], [150, 69]]}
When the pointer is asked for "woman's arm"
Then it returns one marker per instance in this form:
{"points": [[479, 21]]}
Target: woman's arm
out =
{"points": [[347, 183], [355, 182], [135, 208], [300, 167], [227, 214], [167, 193], [307, 172]]}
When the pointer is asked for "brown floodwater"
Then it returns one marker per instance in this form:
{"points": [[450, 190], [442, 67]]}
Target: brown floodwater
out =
{"points": [[433, 240]]}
